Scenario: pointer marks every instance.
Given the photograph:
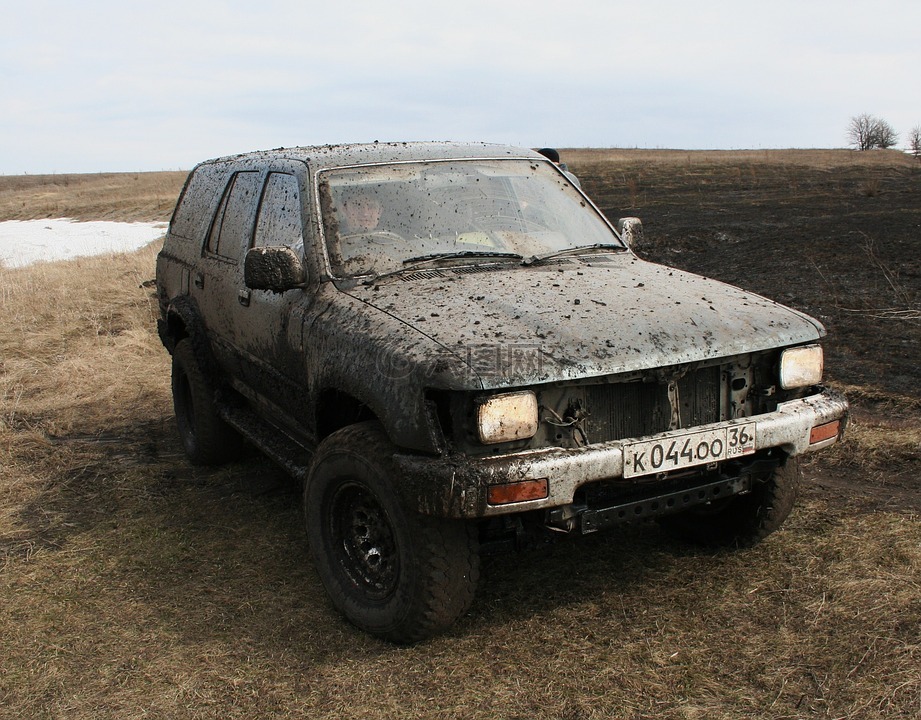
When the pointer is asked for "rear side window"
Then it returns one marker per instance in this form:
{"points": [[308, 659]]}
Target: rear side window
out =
{"points": [[279, 221], [196, 205], [233, 223]]}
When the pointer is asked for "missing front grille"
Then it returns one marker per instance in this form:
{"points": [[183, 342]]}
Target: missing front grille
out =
{"points": [[636, 409]]}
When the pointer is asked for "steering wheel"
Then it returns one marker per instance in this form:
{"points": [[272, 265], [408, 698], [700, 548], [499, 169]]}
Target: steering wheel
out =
{"points": [[501, 223], [379, 237], [385, 237]]}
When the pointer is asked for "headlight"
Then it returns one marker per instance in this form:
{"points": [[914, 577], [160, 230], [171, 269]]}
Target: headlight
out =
{"points": [[511, 416], [801, 367]]}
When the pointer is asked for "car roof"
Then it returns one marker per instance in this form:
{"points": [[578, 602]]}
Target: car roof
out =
{"points": [[327, 156]]}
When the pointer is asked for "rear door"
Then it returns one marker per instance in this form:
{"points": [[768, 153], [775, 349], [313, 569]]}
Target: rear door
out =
{"points": [[219, 277]]}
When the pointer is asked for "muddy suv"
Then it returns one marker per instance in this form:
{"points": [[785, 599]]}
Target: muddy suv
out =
{"points": [[454, 351]]}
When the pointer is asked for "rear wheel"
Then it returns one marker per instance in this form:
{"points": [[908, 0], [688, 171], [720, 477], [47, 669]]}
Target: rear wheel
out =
{"points": [[206, 438], [389, 570], [743, 520]]}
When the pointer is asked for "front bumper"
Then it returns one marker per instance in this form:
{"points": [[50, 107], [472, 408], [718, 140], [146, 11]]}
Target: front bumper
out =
{"points": [[457, 486]]}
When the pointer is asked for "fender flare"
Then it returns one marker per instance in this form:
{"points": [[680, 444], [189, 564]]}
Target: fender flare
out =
{"points": [[183, 320]]}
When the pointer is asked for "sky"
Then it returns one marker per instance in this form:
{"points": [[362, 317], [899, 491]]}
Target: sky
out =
{"points": [[104, 85]]}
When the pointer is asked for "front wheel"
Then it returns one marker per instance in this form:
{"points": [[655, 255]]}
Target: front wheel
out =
{"points": [[389, 570], [743, 520]]}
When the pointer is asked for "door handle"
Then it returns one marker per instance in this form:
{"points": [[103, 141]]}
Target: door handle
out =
{"points": [[200, 280], [243, 296]]}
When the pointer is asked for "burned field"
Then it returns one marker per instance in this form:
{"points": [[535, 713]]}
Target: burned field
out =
{"points": [[836, 239], [133, 584]]}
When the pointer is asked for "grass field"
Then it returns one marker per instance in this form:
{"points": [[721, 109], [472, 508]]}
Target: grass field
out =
{"points": [[133, 585], [103, 196]]}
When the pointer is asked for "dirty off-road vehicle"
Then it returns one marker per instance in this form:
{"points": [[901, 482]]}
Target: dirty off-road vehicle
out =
{"points": [[451, 348]]}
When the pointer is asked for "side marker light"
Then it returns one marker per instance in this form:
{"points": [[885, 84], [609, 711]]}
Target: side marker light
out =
{"points": [[824, 432], [518, 491]]}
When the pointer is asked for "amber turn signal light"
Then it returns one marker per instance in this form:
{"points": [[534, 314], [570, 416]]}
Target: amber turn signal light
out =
{"points": [[824, 432], [518, 491]]}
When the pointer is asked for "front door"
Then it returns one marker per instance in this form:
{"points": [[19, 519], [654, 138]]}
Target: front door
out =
{"points": [[266, 338]]}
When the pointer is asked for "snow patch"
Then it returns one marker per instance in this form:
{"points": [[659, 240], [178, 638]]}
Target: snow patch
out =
{"points": [[23, 242]]}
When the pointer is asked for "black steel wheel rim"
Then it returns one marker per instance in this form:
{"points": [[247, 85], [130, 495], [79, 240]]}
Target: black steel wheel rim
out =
{"points": [[361, 532]]}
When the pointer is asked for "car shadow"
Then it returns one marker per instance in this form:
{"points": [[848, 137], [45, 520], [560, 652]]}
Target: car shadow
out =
{"points": [[220, 554]]}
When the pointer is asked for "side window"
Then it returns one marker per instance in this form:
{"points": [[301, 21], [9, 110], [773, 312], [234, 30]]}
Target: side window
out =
{"points": [[232, 227], [279, 221], [195, 208]]}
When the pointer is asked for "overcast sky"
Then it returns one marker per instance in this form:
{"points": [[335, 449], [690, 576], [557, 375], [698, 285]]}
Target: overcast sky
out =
{"points": [[104, 85]]}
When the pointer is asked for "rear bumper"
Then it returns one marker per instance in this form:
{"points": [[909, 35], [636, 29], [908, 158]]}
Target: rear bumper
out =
{"points": [[458, 486]]}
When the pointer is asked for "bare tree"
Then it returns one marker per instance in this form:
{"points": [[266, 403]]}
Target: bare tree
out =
{"points": [[885, 135], [860, 131], [914, 141], [867, 132]]}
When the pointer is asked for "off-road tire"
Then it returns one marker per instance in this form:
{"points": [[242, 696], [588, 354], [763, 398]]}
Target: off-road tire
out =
{"points": [[744, 520], [206, 438], [391, 571]]}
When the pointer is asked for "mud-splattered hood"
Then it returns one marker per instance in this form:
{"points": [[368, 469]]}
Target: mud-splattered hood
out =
{"points": [[521, 325]]}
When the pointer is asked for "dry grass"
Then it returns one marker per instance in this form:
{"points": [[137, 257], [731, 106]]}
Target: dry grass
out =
{"points": [[132, 585], [102, 196]]}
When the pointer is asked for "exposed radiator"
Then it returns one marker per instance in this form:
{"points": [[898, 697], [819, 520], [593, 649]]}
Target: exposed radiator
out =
{"points": [[625, 410]]}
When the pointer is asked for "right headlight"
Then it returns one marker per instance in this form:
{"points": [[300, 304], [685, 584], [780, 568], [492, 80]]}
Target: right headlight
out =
{"points": [[801, 367], [510, 416]]}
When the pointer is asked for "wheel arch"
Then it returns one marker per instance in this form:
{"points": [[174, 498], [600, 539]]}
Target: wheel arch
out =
{"points": [[336, 409], [183, 320]]}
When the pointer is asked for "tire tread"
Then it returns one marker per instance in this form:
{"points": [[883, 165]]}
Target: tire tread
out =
{"points": [[441, 586], [745, 520], [209, 441]]}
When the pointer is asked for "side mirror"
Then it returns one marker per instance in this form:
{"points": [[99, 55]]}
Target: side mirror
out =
{"points": [[273, 268], [631, 230]]}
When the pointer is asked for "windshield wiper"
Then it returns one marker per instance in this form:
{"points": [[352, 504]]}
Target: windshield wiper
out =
{"points": [[462, 254], [440, 256], [571, 251]]}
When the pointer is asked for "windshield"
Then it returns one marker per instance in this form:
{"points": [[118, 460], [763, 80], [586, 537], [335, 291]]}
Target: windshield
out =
{"points": [[383, 218]]}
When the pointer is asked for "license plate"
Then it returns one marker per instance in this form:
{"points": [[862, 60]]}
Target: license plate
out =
{"points": [[688, 449]]}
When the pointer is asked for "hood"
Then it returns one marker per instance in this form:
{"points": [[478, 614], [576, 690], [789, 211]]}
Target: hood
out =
{"points": [[581, 318]]}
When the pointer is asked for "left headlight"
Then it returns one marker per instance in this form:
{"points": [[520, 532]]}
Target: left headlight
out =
{"points": [[506, 417], [801, 367]]}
